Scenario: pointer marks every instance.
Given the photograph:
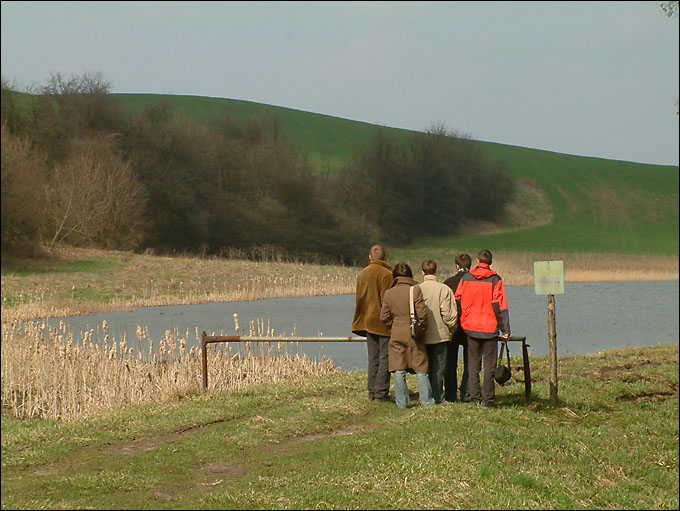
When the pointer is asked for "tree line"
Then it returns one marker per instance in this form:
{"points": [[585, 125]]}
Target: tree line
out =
{"points": [[77, 168]]}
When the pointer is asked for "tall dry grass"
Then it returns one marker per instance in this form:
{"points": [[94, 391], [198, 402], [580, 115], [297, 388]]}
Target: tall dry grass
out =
{"points": [[142, 281], [48, 373], [517, 268]]}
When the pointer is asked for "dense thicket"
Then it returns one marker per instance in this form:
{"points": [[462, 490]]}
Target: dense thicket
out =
{"points": [[78, 169], [427, 188]]}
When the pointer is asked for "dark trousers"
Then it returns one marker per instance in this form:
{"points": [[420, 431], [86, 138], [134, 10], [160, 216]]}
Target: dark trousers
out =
{"points": [[378, 366], [488, 350], [436, 356], [451, 374]]}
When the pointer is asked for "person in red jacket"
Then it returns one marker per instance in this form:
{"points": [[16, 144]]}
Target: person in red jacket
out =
{"points": [[484, 319]]}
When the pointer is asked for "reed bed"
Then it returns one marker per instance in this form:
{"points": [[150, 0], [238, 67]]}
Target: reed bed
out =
{"points": [[517, 268], [141, 281], [134, 280], [48, 373]]}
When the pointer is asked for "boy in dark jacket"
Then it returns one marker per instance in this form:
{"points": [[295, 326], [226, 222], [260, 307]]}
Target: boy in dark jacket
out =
{"points": [[459, 339], [484, 318]]}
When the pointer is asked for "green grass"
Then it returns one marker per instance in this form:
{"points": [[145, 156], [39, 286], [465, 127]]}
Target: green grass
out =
{"points": [[84, 265], [612, 442], [329, 142], [76, 279], [596, 205]]}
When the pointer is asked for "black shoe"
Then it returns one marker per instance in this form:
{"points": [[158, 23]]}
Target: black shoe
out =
{"points": [[489, 405], [386, 399]]}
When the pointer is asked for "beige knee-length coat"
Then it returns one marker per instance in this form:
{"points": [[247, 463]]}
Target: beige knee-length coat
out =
{"points": [[404, 352]]}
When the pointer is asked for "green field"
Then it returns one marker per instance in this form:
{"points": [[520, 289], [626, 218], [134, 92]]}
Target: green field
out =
{"points": [[318, 443], [585, 204]]}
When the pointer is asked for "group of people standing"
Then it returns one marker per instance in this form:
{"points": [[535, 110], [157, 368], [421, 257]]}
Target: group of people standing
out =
{"points": [[468, 310]]}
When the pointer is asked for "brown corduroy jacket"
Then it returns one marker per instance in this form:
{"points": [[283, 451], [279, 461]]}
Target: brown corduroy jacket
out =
{"points": [[372, 283]]}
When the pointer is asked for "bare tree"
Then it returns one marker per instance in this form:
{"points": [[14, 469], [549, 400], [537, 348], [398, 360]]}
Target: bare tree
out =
{"points": [[670, 8], [87, 83], [94, 197], [22, 177]]}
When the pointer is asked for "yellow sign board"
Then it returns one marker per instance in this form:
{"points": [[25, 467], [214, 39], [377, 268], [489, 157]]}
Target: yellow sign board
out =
{"points": [[549, 277]]}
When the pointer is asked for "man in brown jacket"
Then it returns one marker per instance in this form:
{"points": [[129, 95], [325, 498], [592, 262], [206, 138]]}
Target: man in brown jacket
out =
{"points": [[372, 283]]}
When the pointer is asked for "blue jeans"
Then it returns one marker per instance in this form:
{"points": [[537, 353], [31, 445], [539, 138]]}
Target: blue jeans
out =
{"points": [[401, 395], [436, 356], [451, 374]]}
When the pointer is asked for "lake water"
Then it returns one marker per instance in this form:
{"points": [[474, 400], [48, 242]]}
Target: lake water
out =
{"points": [[590, 317]]}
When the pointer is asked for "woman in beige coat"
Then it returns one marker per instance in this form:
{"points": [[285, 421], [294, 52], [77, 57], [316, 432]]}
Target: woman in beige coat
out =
{"points": [[405, 353]]}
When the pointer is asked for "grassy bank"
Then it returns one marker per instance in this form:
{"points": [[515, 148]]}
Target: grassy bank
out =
{"points": [[612, 442], [75, 281]]}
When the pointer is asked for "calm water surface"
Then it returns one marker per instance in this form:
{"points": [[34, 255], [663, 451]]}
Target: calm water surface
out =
{"points": [[589, 318]]}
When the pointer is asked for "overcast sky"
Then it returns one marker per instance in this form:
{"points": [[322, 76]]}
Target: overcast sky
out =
{"points": [[587, 78]]}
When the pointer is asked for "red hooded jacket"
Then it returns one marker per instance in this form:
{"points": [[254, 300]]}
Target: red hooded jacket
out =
{"points": [[483, 305]]}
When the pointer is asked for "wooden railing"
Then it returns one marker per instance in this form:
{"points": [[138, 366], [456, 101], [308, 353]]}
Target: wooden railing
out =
{"points": [[210, 339]]}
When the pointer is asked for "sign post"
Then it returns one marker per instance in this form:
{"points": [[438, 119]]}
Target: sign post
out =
{"points": [[549, 280]]}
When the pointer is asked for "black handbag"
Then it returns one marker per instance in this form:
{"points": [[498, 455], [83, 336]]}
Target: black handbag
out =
{"points": [[417, 329], [503, 373]]}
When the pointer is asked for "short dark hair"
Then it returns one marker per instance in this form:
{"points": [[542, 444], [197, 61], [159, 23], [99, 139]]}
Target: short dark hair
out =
{"points": [[485, 256], [402, 270], [429, 266], [464, 260], [377, 252]]}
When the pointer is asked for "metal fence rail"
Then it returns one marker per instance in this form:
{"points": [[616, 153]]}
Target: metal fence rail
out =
{"points": [[210, 339]]}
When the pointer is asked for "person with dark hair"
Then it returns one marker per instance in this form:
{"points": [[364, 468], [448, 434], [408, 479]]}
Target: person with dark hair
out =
{"points": [[442, 320], [372, 283], [406, 354], [484, 318], [458, 340]]}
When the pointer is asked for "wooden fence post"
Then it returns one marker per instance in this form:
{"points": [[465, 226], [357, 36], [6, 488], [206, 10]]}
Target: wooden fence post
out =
{"points": [[204, 354], [552, 337]]}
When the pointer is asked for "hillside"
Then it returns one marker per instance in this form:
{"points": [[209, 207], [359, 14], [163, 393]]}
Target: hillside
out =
{"points": [[567, 203]]}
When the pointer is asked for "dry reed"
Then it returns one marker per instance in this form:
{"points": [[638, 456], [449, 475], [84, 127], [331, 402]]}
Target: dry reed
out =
{"points": [[49, 374], [517, 268], [56, 375], [141, 280]]}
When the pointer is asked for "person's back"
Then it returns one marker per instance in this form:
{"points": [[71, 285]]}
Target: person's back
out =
{"points": [[372, 283], [458, 339], [406, 354], [442, 313], [442, 319], [484, 309], [484, 318]]}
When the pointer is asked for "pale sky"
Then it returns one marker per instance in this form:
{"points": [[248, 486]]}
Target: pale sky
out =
{"points": [[587, 78]]}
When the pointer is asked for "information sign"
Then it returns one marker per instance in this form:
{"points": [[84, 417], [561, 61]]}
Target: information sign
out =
{"points": [[549, 277]]}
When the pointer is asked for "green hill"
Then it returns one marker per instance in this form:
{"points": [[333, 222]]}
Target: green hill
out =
{"points": [[567, 203]]}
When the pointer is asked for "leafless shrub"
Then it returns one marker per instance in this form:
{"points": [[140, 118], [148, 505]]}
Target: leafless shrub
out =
{"points": [[23, 170], [93, 197]]}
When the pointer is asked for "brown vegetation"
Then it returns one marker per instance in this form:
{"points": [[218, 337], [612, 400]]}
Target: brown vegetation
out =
{"points": [[50, 373], [102, 176], [47, 373], [134, 280]]}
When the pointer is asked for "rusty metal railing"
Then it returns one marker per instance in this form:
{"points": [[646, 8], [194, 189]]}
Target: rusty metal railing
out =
{"points": [[210, 339]]}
